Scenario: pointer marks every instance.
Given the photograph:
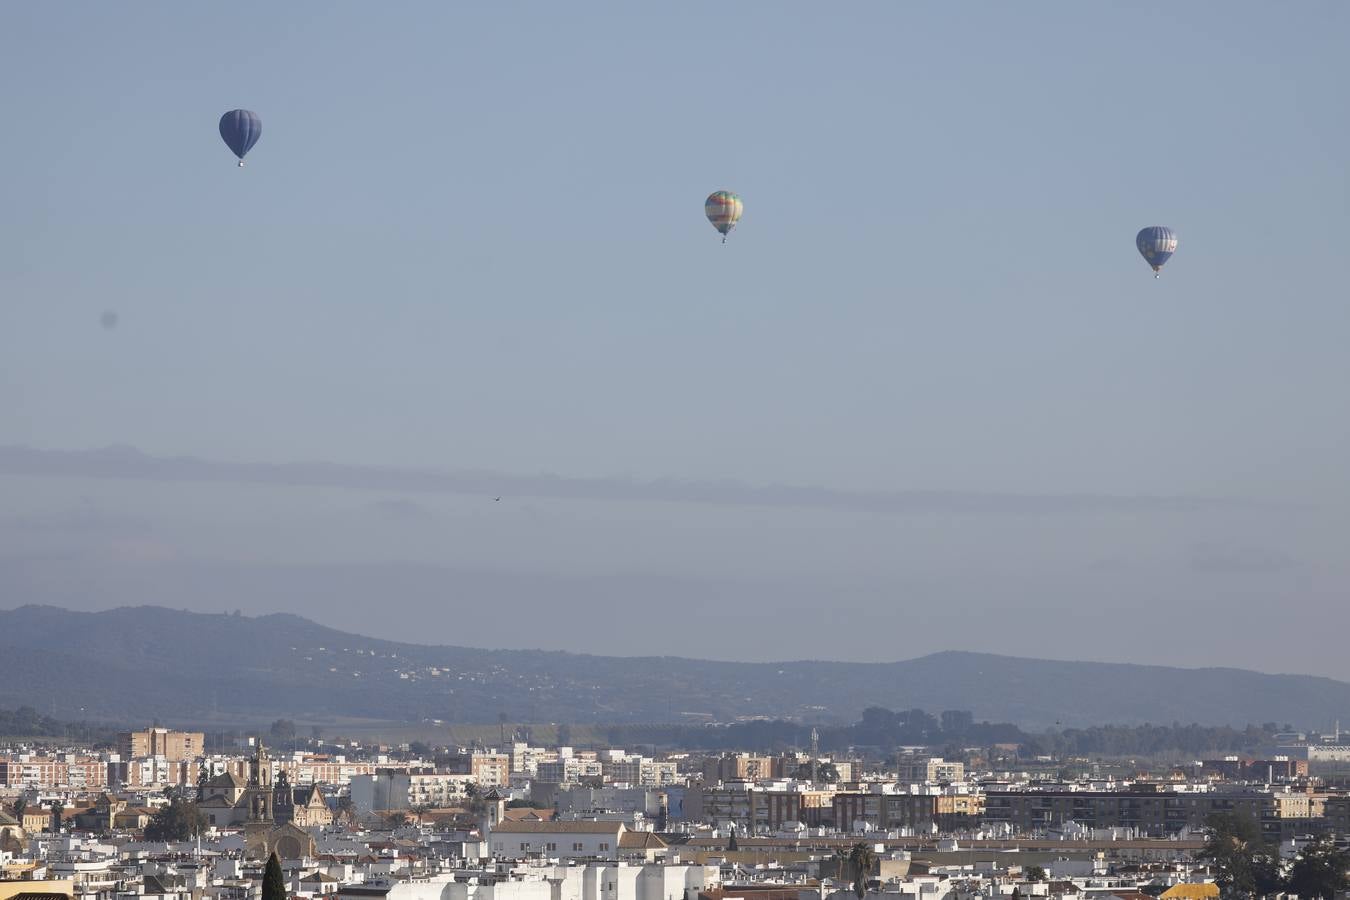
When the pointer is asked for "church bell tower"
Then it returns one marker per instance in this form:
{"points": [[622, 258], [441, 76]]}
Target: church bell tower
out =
{"points": [[259, 794]]}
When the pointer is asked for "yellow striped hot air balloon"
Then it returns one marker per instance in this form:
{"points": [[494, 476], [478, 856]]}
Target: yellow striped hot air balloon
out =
{"points": [[723, 209]]}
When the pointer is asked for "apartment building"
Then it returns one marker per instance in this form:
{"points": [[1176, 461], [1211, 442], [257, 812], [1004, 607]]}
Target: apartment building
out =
{"points": [[526, 759], [570, 770], [752, 806], [174, 746], [1281, 768], [570, 840], [949, 811], [1336, 811], [336, 771], [639, 771], [1150, 811], [392, 790], [1234, 768], [488, 767], [928, 770], [594, 881], [1318, 752], [586, 802], [151, 772], [491, 769], [740, 767], [26, 770]]}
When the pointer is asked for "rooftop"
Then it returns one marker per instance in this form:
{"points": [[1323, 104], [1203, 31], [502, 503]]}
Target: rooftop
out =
{"points": [[531, 827]]}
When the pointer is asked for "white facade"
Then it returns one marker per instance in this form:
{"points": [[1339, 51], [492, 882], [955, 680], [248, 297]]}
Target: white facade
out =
{"points": [[640, 771], [583, 800], [1319, 752], [561, 840], [631, 882], [446, 888], [525, 758], [569, 770], [600, 881], [405, 790]]}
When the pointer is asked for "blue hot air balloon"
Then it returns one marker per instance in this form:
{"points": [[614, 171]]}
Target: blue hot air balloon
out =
{"points": [[240, 128], [1156, 244]]}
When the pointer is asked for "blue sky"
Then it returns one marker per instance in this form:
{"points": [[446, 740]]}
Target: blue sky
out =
{"points": [[471, 238]]}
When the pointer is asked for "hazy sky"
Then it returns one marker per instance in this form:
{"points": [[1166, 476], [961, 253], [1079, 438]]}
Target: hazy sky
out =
{"points": [[471, 242]]}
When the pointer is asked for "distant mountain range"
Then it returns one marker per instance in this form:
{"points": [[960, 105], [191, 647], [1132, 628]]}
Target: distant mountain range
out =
{"points": [[134, 664]]}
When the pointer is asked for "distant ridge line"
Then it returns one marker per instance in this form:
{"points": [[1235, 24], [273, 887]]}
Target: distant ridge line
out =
{"points": [[132, 663]]}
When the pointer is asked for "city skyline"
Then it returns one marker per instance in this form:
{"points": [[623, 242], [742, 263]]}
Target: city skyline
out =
{"points": [[704, 451]]}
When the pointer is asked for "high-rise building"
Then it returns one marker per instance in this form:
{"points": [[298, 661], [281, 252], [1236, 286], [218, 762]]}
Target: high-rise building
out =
{"points": [[174, 746], [927, 770]]}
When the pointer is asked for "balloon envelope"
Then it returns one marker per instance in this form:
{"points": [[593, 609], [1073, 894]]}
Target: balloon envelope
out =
{"points": [[723, 209], [240, 129], [1156, 244]]}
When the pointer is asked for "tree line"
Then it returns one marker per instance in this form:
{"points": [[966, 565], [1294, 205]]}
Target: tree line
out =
{"points": [[878, 728], [884, 730], [1246, 866], [28, 722], [1150, 740]]}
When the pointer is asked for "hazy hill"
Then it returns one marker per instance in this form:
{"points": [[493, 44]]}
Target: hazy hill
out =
{"points": [[132, 664]]}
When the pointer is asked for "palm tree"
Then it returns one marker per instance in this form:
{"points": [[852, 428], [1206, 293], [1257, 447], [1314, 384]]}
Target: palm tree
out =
{"points": [[863, 859]]}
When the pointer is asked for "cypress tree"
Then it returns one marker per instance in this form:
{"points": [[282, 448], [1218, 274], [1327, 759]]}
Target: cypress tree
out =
{"points": [[274, 883]]}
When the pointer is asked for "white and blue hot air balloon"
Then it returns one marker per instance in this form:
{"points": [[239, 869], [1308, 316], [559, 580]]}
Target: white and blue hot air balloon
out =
{"points": [[1156, 244]]}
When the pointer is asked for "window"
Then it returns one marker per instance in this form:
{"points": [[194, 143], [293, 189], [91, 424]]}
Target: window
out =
{"points": [[577, 848], [604, 846], [552, 847]]}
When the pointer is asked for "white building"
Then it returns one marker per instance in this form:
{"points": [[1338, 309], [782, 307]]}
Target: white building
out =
{"points": [[526, 759], [928, 770], [640, 771], [573, 841], [598, 881], [1319, 752], [620, 881], [578, 802], [445, 887], [569, 770], [405, 790]]}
